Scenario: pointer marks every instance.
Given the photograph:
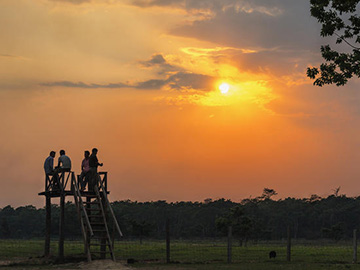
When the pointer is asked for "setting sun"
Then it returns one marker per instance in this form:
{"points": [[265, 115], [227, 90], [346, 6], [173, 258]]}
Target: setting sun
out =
{"points": [[224, 88]]}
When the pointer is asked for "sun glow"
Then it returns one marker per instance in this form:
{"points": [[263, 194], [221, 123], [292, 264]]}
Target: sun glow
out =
{"points": [[245, 93], [224, 88]]}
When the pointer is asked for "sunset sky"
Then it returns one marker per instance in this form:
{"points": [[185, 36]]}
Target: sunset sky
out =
{"points": [[139, 80]]}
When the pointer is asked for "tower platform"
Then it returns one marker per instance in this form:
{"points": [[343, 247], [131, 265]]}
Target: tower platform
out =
{"points": [[94, 212]]}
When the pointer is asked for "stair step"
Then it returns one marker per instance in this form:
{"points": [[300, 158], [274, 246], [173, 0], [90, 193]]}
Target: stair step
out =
{"points": [[99, 237]]}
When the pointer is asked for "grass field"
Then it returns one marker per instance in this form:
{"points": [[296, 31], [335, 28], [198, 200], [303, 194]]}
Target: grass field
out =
{"points": [[201, 254]]}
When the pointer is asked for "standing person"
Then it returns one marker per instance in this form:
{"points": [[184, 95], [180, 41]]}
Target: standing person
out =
{"points": [[93, 163], [49, 164], [85, 170], [64, 162]]}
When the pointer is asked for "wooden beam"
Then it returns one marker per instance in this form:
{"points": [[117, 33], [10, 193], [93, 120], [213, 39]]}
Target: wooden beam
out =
{"points": [[61, 227], [288, 248], [103, 240], [167, 228], [48, 226]]}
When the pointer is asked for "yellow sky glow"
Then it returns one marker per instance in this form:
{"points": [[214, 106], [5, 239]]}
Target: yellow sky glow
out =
{"points": [[143, 85]]}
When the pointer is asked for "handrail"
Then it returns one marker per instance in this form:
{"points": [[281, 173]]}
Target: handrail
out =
{"points": [[57, 179], [104, 180], [50, 183], [67, 179], [105, 223], [87, 249], [61, 180], [109, 206], [82, 205]]}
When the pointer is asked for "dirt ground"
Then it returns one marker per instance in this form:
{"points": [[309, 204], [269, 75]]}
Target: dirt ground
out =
{"points": [[102, 264], [38, 264]]}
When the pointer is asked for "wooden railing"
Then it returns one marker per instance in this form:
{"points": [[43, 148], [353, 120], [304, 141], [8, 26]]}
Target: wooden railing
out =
{"points": [[80, 204], [57, 182], [103, 189], [103, 181], [82, 214]]}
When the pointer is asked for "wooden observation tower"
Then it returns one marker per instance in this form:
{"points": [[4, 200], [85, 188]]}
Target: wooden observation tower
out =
{"points": [[94, 213]]}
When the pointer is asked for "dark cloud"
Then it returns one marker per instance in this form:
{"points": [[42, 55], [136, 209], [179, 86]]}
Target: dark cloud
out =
{"points": [[149, 3], [76, 2], [151, 84], [269, 7], [291, 28], [84, 85], [214, 5], [178, 81], [278, 63], [158, 61], [183, 80], [9, 56], [281, 31]]}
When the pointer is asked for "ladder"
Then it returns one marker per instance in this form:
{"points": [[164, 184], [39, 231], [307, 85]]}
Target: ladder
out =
{"points": [[94, 218]]}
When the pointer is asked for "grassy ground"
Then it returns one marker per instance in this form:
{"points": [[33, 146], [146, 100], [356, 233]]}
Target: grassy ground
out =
{"points": [[205, 255], [252, 266]]}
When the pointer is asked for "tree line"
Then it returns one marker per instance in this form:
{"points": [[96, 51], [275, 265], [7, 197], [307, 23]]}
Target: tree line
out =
{"points": [[259, 218]]}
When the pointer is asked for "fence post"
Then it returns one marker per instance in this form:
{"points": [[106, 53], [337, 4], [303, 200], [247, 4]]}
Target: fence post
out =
{"points": [[229, 248], [355, 246], [288, 251], [167, 240], [48, 226], [61, 227]]}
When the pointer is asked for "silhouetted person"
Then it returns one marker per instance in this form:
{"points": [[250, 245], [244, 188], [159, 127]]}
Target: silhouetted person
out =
{"points": [[85, 170], [64, 162], [49, 164], [64, 165], [49, 170], [93, 163]]}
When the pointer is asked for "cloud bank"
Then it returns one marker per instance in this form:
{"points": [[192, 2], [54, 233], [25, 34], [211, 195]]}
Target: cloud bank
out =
{"points": [[178, 81], [175, 78], [76, 2]]}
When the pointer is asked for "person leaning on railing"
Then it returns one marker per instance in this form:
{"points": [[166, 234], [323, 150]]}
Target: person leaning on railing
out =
{"points": [[85, 171], [93, 163]]}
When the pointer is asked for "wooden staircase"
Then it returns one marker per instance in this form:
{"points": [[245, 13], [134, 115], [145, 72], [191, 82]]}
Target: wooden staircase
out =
{"points": [[95, 214]]}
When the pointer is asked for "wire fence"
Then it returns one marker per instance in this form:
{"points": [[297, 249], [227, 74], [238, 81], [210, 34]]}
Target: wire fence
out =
{"points": [[190, 251]]}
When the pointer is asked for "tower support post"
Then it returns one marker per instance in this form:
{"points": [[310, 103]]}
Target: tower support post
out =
{"points": [[48, 226], [61, 227]]}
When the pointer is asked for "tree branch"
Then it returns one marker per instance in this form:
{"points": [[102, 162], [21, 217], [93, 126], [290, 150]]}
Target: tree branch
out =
{"points": [[352, 46]]}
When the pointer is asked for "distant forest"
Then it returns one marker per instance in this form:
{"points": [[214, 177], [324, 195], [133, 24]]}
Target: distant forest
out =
{"points": [[261, 218]]}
